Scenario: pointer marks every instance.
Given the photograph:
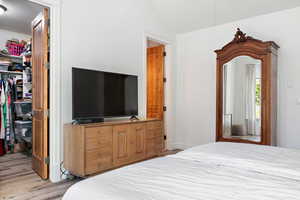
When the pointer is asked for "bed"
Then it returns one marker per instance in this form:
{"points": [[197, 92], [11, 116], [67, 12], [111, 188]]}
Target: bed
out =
{"points": [[217, 171]]}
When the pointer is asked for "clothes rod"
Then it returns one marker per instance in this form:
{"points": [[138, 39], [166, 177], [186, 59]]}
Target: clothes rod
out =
{"points": [[10, 72]]}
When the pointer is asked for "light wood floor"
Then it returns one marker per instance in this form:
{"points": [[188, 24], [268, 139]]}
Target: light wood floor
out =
{"points": [[19, 182]]}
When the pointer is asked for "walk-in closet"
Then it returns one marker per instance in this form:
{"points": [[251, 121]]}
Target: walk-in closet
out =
{"points": [[24, 100]]}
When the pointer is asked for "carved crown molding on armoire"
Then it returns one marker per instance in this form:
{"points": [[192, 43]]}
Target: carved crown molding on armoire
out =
{"points": [[246, 106]]}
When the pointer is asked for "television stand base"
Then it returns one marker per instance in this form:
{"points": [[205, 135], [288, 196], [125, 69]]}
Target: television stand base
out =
{"points": [[88, 121], [132, 118]]}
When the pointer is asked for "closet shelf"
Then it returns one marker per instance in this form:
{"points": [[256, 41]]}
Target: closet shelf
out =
{"points": [[10, 72], [10, 56]]}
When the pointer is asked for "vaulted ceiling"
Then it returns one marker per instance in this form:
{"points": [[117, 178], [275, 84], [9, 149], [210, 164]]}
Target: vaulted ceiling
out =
{"points": [[188, 15], [178, 16], [19, 15]]}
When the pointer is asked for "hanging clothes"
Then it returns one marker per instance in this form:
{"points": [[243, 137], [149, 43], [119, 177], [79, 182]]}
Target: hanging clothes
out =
{"points": [[7, 97], [2, 149], [2, 102]]}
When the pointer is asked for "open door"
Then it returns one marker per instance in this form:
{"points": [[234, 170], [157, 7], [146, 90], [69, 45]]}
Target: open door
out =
{"points": [[40, 159], [155, 82]]}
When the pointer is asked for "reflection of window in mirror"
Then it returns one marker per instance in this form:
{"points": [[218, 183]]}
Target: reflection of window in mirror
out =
{"points": [[225, 89], [258, 97], [253, 98], [242, 98]]}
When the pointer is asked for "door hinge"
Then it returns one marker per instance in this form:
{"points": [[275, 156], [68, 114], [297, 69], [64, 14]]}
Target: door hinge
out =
{"points": [[48, 22], [165, 108], [165, 79], [47, 113], [164, 54], [33, 113], [47, 65], [47, 160], [165, 137]]}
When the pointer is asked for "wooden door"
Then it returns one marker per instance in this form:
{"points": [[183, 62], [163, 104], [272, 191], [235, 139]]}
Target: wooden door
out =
{"points": [[121, 144], [155, 82], [138, 137], [40, 94]]}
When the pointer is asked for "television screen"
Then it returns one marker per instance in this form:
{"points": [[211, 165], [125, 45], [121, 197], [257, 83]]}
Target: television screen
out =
{"points": [[98, 94]]}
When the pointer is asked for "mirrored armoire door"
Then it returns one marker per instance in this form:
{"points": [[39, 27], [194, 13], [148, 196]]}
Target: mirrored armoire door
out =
{"points": [[247, 91]]}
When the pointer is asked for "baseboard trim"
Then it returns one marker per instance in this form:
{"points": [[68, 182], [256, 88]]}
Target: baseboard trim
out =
{"points": [[178, 146]]}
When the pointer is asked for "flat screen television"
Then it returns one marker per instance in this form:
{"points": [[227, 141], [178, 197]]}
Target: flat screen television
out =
{"points": [[98, 95]]}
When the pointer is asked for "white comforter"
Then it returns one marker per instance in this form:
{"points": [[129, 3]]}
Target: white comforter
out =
{"points": [[219, 171]]}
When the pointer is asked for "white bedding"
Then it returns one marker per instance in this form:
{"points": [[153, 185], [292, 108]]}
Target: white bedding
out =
{"points": [[218, 171]]}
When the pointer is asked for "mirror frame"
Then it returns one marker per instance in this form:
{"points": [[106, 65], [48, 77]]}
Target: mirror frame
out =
{"points": [[243, 45]]}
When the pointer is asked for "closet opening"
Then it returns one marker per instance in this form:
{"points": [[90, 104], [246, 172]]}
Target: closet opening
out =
{"points": [[24, 88], [156, 80]]}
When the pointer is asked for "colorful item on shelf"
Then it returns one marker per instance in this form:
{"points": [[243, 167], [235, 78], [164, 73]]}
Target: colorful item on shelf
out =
{"points": [[15, 47]]}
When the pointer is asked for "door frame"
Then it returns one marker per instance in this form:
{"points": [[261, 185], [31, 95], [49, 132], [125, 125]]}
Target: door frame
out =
{"points": [[167, 87], [55, 124]]}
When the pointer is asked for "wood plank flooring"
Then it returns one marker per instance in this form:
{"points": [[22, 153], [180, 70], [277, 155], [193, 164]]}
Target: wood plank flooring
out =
{"points": [[19, 182]]}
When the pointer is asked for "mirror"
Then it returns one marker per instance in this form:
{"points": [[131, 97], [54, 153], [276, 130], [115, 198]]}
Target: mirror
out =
{"points": [[242, 99]]}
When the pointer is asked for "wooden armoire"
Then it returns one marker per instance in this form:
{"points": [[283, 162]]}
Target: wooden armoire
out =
{"points": [[246, 91]]}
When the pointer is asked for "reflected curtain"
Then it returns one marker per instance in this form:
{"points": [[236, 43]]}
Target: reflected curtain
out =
{"points": [[250, 90]]}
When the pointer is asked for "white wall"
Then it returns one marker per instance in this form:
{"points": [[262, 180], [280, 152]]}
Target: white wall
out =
{"points": [[196, 76], [108, 36], [7, 35]]}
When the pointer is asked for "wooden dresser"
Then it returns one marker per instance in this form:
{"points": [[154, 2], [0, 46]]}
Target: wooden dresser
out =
{"points": [[94, 148]]}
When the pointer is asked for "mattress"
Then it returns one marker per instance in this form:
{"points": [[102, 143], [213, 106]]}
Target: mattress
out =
{"points": [[217, 171]]}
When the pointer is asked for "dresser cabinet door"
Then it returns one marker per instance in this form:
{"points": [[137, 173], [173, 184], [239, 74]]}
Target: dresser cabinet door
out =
{"points": [[154, 138], [121, 144], [138, 138], [154, 146], [98, 149]]}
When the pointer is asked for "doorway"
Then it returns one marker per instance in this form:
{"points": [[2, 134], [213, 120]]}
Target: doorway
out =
{"points": [[156, 80], [25, 88]]}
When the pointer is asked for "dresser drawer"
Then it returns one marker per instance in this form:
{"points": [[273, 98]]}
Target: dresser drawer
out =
{"points": [[154, 133], [98, 160], [154, 129], [99, 137], [154, 125]]}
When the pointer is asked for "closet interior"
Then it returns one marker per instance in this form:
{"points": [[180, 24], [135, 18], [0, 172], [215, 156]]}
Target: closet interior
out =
{"points": [[16, 97]]}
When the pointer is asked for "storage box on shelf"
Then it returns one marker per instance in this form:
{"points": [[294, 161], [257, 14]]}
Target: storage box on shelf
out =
{"points": [[23, 109], [23, 126], [27, 83]]}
